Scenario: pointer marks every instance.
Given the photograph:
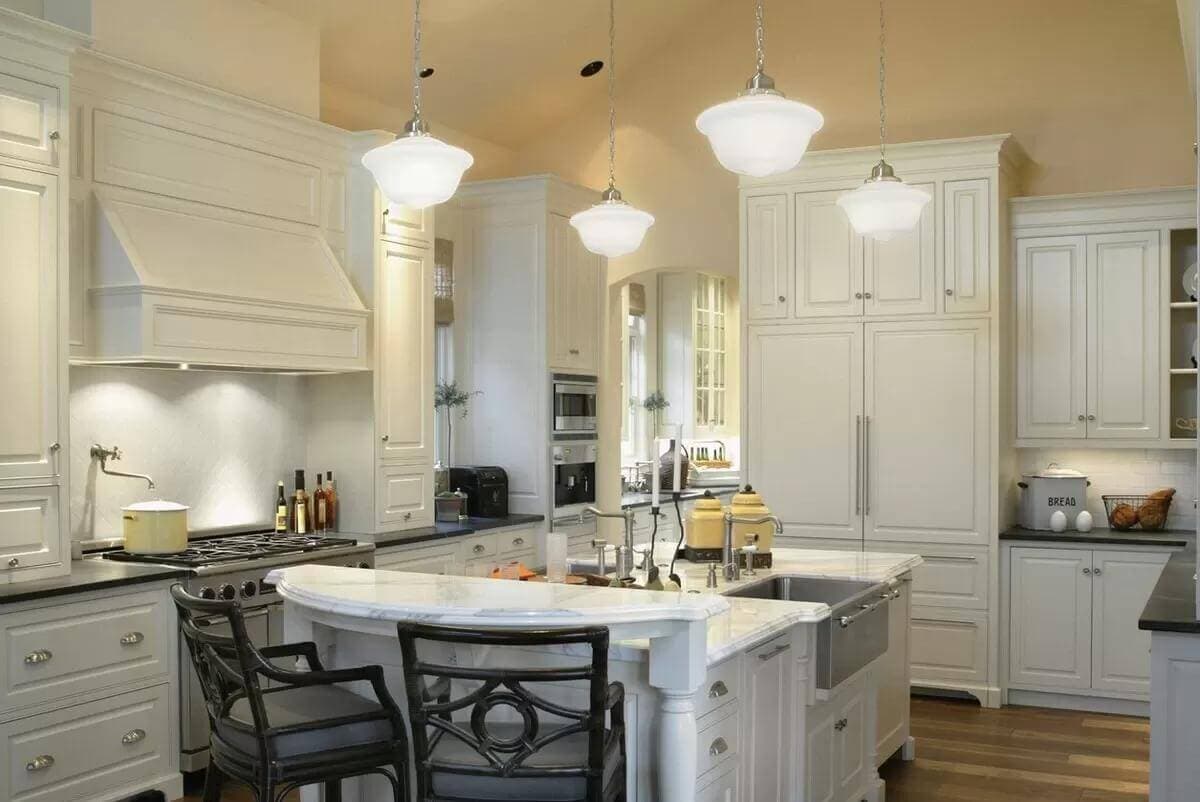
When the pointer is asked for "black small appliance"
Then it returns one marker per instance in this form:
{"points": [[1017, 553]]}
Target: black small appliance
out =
{"points": [[486, 487]]}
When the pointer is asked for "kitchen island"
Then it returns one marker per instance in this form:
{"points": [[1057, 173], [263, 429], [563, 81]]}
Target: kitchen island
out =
{"points": [[699, 668]]}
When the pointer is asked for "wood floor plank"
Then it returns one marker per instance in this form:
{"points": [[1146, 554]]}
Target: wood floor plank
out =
{"points": [[1111, 723], [1111, 762]]}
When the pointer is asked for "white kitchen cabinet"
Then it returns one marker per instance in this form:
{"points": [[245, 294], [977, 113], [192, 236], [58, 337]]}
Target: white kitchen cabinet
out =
{"points": [[804, 418], [766, 234], [899, 275], [839, 744], [768, 672], [949, 649], [573, 277], [828, 260], [1073, 619], [30, 531], [29, 324], [966, 215], [408, 226], [29, 114], [893, 680], [404, 496], [404, 348], [440, 558], [927, 470], [722, 789], [1124, 375]]}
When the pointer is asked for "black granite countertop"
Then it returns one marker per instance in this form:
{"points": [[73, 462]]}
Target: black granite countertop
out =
{"points": [[1173, 538], [1172, 605], [443, 530], [93, 573], [634, 500]]}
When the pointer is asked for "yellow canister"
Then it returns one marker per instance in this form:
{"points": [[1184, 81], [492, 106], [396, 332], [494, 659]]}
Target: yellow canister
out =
{"points": [[706, 523], [155, 527], [749, 504]]}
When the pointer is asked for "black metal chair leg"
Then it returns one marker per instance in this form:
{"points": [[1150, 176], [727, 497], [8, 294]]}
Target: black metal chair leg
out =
{"points": [[213, 780], [333, 791], [400, 785]]}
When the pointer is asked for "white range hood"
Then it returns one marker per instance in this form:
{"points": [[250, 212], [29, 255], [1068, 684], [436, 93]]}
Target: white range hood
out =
{"points": [[175, 282]]}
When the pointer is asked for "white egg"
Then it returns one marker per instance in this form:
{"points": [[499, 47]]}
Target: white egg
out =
{"points": [[1058, 521], [1083, 521]]}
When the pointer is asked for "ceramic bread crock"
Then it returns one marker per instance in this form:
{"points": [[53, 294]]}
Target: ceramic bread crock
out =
{"points": [[749, 504], [1050, 489], [155, 527], [706, 524]]}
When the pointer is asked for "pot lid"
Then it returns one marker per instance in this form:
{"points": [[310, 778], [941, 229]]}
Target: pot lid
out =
{"points": [[155, 506], [1056, 471]]}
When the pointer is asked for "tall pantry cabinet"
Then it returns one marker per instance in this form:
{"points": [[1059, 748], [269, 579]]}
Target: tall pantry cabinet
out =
{"points": [[34, 185], [872, 386]]}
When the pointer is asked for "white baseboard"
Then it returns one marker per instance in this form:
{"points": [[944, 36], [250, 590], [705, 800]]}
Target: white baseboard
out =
{"points": [[1068, 701]]}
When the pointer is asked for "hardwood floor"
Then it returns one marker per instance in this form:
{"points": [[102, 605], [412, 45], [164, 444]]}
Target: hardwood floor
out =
{"points": [[966, 753]]}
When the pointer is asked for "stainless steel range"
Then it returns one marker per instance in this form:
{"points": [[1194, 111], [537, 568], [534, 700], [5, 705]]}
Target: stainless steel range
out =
{"points": [[235, 567]]}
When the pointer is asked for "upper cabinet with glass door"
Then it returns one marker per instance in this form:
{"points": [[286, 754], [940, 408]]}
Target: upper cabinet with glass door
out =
{"points": [[710, 347]]}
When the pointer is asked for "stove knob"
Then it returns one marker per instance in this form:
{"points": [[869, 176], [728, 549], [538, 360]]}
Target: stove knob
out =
{"points": [[364, 564], [208, 593], [249, 588], [228, 592]]}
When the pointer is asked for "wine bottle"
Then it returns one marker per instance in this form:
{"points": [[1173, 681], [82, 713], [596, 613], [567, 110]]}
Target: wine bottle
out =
{"points": [[318, 504], [281, 510], [331, 502], [300, 521]]}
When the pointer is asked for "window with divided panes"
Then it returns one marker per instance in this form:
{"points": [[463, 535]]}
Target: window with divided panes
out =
{"points": [[709, 317]]}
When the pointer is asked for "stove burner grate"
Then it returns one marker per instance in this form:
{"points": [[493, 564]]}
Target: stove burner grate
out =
{"points": [[229, 548]]}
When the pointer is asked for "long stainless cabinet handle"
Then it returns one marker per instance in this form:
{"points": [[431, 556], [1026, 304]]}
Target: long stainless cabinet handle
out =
{"points": [[867, 465], [858, 468], [780, 649], [953, 558], [847, 620]]}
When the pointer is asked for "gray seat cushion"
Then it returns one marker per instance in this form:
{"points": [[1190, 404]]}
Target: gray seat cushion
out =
{"points": [[303, 705], [568, 751]]}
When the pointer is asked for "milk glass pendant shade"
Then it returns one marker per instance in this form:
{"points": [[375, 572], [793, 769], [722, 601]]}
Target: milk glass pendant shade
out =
{"points": [[760, 132], [417, 170], [612, 227], [883, 206]]}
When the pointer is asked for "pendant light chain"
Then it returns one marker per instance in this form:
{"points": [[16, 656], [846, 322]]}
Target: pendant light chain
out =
{"points": [[417, 59], [612, 91], [882, 83], [760, 36]]}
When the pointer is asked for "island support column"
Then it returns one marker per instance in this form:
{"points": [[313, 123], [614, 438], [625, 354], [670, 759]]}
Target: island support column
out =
{"points": [[678, 664]]}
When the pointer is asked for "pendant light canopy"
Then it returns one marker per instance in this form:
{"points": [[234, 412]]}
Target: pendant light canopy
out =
{"points": [[417, 170], [612, 227], [884, 205], [760, 132]]}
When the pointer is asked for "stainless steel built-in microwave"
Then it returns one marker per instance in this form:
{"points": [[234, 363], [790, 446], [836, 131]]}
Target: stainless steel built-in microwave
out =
{"points": [[574, 405]]}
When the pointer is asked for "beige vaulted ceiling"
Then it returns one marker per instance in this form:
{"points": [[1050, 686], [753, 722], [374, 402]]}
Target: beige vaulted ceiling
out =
{"points": [[504, 69]]}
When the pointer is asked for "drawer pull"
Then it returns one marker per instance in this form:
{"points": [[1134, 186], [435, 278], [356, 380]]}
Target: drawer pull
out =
{"points": [[780, 649], [40, 763], [133, 736], [718, 690], [39, 656], [132, 638], [840, 724], [518, 541], [479, 548], [718, 747], [14, 562]]}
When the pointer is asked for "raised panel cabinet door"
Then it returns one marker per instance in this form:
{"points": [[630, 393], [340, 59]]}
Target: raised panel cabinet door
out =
{"points": [[587, 269], [968, 256], [829, 258], [850, 743], [926, 411], [29, 324], [893, 681], [29, 120], [1121, 584], [1124, 375], [804, 391], [562, 290], [412, 226], [949, 647], [820, 769], [1050, 618], [768, 258], [404, 350], [29, 530], [768, 696], [1051, 337], [900, 273], [403, 496]]}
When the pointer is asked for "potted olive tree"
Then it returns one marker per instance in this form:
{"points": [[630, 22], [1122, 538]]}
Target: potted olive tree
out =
{"points": [[450, 397]]}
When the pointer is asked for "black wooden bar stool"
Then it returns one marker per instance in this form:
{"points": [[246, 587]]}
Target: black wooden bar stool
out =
{"points": [[303, 728], [545, 747]]}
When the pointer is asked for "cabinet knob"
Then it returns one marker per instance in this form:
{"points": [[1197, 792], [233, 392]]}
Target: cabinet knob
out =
{"points": [[1087, 571], [132, 638], [840, 724], [782, 299], [14, 562], [38, 656], [1091, 417], [54, 135], [408, 516], [1081, 417], [40, 763], [1095, 572], [133, 736], [478, 548], [867, 295], [55, 446], [718, 747], [858, 296], [518, 541], [384, 438], [949, 291], [718, 690]]}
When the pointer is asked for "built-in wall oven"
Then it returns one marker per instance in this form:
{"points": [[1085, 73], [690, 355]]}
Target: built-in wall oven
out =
{"points": [[574, 468], [574, 407]]}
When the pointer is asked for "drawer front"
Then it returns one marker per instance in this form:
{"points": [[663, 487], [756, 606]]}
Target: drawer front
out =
{"points": [[52, 652], [29, 124], [717, 744], [722, 789], [948, 646], [429, 560], [29, 530], [720, 686], [478, 547], [951, 578], [517, 541], [80, 752]]}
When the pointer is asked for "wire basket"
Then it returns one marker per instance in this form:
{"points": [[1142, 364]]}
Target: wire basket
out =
{"points": [[1145, 512]]}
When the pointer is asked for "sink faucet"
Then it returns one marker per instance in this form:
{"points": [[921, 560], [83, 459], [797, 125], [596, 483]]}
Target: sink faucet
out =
{"points": [[105, 454], [624, 556], [733, 570]]}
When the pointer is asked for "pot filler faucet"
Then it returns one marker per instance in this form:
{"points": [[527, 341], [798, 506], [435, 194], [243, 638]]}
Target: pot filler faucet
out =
{"points": [[625, 555], [105, 454], [728, 557]]}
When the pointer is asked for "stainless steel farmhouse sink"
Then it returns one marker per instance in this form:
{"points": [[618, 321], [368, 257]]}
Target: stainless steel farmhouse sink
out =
{"points": [[856, 632]]}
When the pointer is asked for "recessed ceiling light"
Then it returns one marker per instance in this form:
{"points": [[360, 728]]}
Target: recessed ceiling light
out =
{"points": [[426, 72], [591, 68]]}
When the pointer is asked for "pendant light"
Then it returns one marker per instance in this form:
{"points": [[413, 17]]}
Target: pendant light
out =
{"points": [[884, 205], [417, 170], [612, 227], [760, 132]]}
